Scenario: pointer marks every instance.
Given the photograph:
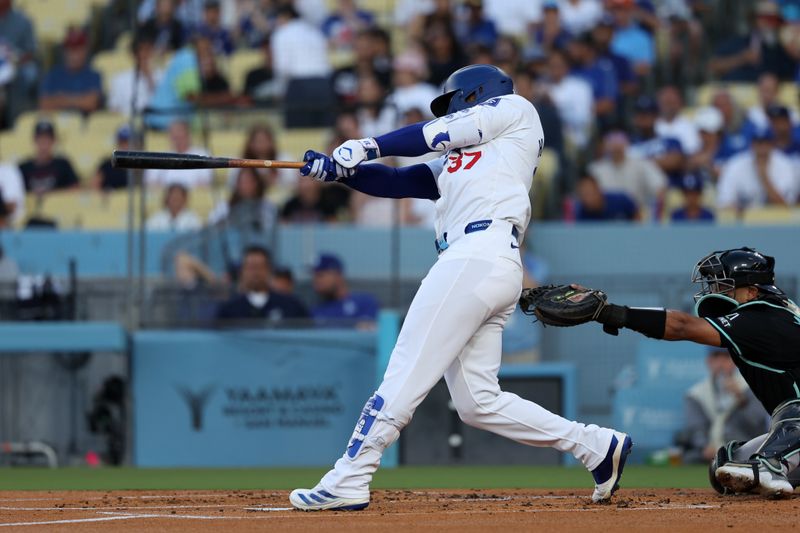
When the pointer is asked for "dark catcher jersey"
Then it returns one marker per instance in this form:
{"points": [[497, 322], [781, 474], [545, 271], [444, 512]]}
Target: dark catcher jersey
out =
{"points": [[763, 338]]}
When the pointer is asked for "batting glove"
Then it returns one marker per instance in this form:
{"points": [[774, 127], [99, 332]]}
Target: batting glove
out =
{"points": [[350, 153], [323, 168]]}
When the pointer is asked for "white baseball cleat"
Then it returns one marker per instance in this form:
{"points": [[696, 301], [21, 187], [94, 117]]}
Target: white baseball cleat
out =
{"points": [[318, 499], [607, 475], [754, 475]]}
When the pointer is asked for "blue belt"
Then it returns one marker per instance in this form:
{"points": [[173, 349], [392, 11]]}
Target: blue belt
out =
{"points": [[472, 227]]}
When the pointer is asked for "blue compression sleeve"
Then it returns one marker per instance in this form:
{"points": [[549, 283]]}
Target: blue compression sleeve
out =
{"points": [[407, 142], [416, 181]]}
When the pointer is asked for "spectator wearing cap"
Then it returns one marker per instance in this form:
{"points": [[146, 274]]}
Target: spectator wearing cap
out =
{"points": [[473, 28], [671, 123], [743, 58], [572, 97], [410, 89], [12, 194], [220, 38], [620, 171], [337, 304], [756, 118], [108, 177], [180, 138], [665, 151], [255, 298], [760, 176], [602, 36], [551, 33], [595, 205], [175, 216], [132, 89], [630, 40], [168, 31], [692, 209], [47, 171], [73, 86], [579, 16], [787, 137], [712, 154], [599, 73]]}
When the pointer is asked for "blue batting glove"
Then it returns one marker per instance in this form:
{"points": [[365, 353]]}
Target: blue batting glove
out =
{"points": [[322, 168]]}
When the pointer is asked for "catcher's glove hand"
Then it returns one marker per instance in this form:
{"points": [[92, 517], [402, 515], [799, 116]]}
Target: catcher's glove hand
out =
{"points": [[563, 305]]}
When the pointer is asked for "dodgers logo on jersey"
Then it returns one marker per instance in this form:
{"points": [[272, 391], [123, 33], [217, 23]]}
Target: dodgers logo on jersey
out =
{"points": [[441, 138]]}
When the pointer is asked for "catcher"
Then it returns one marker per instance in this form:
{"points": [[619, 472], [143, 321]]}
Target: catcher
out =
{"points": [[741, 309]]}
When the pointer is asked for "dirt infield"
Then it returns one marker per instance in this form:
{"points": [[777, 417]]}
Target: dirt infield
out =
{"points": [[511, 510]]}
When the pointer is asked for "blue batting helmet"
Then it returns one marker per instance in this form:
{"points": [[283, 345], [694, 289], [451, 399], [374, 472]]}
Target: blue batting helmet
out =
{"points": [[470, 86]]}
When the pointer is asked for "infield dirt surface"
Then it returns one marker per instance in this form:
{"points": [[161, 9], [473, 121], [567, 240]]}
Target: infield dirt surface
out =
{"points": [[394, 510]]}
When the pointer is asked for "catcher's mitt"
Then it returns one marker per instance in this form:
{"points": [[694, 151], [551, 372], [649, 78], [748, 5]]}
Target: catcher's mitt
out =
{"points": [[563, 305]]}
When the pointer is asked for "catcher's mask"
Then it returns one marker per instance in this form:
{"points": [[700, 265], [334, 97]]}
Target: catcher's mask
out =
{"points": [[723, 271]]}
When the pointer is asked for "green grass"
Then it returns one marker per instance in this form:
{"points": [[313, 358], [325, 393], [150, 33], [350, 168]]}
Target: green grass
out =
{"points": [[466, 477]]}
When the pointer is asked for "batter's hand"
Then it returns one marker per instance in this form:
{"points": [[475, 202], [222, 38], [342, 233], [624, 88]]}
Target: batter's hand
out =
{"points": [[351, 153], [323, 168]]}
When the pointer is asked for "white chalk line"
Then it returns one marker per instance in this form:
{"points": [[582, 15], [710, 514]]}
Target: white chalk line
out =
{"points": [[119, 507], [137, 497], [72, 521]]}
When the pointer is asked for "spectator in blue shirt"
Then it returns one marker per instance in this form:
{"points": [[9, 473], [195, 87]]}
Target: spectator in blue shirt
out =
{"points": [[342, 25], [551, 33], [338, 306], [599, 72], [630, 40], [221, 39], [692, 210], [595, 205], [72, 86], [256, 300], [734, 139], [474, 29], [666, 152]]}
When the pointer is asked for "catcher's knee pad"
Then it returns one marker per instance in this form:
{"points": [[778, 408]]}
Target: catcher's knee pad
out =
{"points": [[374, 429], [783, 439], [723, 456]]}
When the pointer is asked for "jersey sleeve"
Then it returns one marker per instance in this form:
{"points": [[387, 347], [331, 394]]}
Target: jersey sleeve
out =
{"points": [[475, 125], [753, 332]]}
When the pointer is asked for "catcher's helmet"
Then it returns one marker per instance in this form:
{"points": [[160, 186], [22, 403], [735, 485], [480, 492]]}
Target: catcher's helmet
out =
{"points": [[722, 271], [470, 86]]}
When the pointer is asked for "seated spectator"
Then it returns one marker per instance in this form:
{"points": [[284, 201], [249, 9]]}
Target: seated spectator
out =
{"points": [[719, 409], [344, 23], [109, 177], [170, 101], [572, 97], [445, 55], [279, 184], [630, 40], [248, 204], [619, 171], [787, 137], [19, 49], [756, 118], [596, 205], [255, 22], [670, 123], [734, 140], [220, 38], [176, 215], [602, 37], [371, 60], [144, 76], [214, 89], [473, 28], [579, 16], [743, 58], [599, 73], [310, 204], [760, 176], [506, 55], [693, 209], [551, 33], [410, 91], [12, 195], [180, 138], [337, 305], [514, 18], [73, 86], [711, 156], [374, 116], [46, 171], [255, 300], [283, 281], [9, 271], [665, 151], [167, 30], [260, 85]]}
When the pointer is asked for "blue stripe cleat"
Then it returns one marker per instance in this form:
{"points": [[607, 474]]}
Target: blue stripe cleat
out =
{"points": [[318, 499], [607, 475]]}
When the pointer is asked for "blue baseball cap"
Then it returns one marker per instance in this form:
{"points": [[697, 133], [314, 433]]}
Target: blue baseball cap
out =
{"points": [[124, 133], [326, 261], [692, 181]]}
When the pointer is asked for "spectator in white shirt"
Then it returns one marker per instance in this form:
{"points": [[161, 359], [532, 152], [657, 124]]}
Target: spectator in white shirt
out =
{"points": [[671, 124], [299, 49], [760, 176], [516, 18], [410, 91], [175, 216], [12, 194], [579, 16], [121, 93], [757, 119], [181, 141], [572, 97]]}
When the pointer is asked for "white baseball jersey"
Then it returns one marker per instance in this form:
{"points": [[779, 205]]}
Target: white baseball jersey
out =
{"points": [[493, 150]]}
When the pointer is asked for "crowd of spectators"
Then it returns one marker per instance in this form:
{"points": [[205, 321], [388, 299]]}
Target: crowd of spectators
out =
{"points": [[610, 78]]}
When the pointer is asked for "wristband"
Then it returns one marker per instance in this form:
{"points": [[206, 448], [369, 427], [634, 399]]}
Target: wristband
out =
{"points": [[650, 321]]}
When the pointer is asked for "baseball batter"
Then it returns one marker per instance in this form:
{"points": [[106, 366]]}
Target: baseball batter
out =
{"points": [[491, 141]]}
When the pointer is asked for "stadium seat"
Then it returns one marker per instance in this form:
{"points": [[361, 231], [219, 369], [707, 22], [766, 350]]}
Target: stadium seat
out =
{"points": [[789, 95], [15, 147], [157, 141], [66, 123], [227, 143], [104, 123], [239, 65], [772, 215], [51, 18], [109, 64], [87, 151], [295, 142]]}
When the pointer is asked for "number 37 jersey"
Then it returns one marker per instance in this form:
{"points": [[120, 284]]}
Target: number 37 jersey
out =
{"points": [[490, 179]]}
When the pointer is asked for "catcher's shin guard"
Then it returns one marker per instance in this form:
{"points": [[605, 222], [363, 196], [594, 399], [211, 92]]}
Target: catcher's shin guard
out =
{"points": [[723, 456], [783, 441]]}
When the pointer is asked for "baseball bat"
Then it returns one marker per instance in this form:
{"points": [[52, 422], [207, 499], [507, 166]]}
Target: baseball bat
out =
{"points": [[167, 160]]}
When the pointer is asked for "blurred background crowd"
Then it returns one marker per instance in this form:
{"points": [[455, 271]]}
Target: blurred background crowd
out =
{"points": [[654, 111]]}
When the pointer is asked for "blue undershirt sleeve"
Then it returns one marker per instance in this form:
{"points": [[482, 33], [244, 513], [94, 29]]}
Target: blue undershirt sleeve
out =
{"points": [[416, 181], [406, 142]]}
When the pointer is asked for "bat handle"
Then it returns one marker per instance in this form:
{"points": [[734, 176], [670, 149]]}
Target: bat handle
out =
{"points": [[283, 164]]}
